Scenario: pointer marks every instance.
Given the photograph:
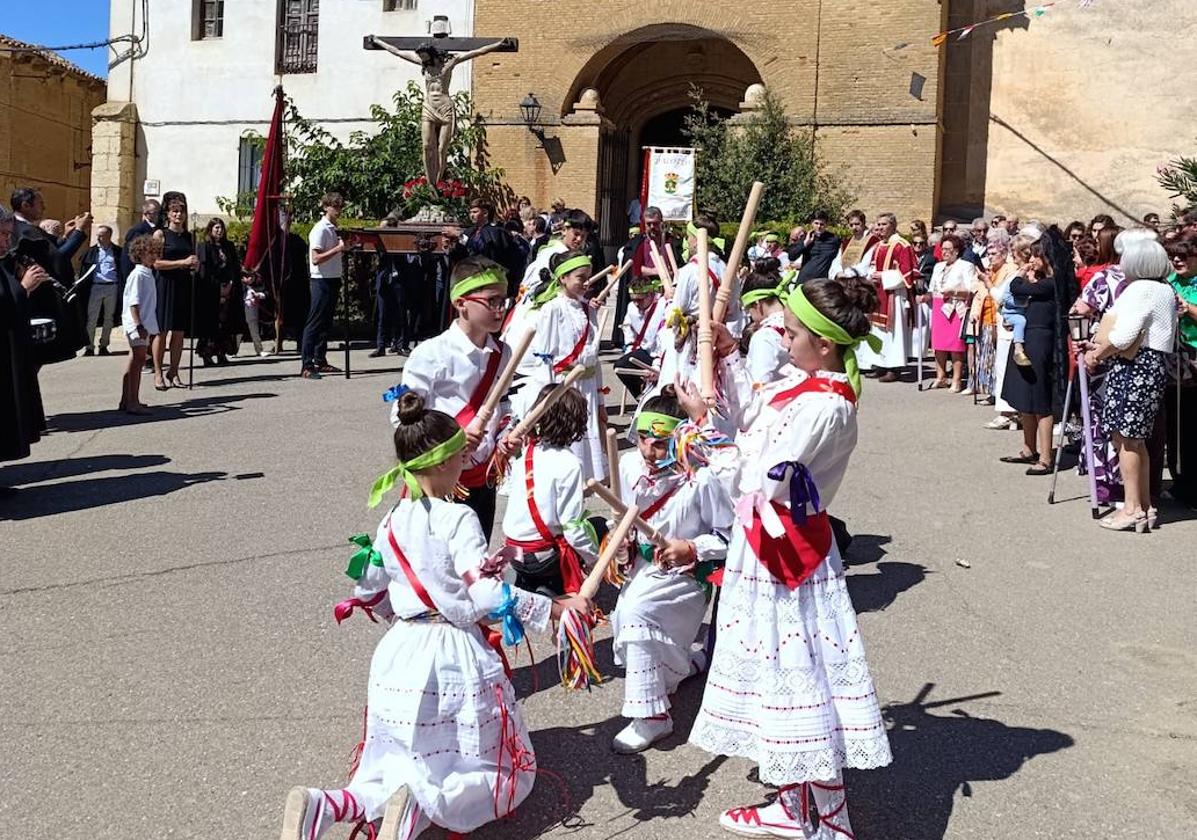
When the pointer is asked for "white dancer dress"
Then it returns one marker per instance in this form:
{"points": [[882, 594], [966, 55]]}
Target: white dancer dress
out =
{"points": [[789, 686], [660, 612], [438, 693], [767, 354], [561, 325]]}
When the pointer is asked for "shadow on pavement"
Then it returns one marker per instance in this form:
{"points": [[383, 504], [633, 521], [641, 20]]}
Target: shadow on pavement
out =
{"points": [[877, 591], [936, 756], [85, 421], [31, 473], [67, 496]]}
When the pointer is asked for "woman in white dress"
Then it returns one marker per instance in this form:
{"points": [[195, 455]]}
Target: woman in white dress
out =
{"points": [[762, 300], [445, 742], [664, 599], [566, 337], [789, 686]]}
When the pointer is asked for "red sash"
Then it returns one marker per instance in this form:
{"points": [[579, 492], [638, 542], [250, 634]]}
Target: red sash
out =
{"points": [[653, 509], [710, 271], [793, 557], [493, 637], [644, 328], [475, 476], [779, 330], [814, 383], [579, 348], [571, 564]]}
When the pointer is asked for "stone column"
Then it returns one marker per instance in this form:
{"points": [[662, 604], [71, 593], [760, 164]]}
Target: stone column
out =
{"points": [[114, 189]]}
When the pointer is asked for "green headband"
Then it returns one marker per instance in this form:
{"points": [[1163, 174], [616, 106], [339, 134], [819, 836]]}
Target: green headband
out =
{"points": [[718, 241], [571, 264], [436, 455], [645, 285], [655, 424], [779, 291], [822, 326], [490, 277]]}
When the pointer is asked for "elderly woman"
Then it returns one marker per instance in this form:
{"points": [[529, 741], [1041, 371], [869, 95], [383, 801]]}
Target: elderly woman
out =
{"points": [[1180, 402], [982, 316], [1000, 275], [1137, 342], [1096, 299], [952, 284]]}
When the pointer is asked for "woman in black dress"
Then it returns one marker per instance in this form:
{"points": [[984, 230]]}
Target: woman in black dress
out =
{"points": [[1030, 389], [220, 312], [175, 293]]}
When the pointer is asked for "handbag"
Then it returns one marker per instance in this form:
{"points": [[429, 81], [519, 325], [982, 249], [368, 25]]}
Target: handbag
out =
{"points": [[1103, 336]]}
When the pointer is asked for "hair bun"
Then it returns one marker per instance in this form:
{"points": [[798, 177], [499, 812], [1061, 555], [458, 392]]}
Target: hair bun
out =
{"points": [[861, 294], [669, 391], [411, 408]]}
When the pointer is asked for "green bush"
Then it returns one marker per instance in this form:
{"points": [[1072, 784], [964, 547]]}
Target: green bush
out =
{"points": [[1179, 178], [767, 148]]}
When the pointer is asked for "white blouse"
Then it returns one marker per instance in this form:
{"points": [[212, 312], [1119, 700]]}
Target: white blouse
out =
{"points": [[699, 509], [1148, 308], [557, 484]]}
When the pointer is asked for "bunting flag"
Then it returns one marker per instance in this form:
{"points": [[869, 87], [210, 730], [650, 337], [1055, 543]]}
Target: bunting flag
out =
{"points": [[962, 32]]}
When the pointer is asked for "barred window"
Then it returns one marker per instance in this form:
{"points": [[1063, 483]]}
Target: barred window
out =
{"points": [[207, 19], [299, 30], [399, 5]]}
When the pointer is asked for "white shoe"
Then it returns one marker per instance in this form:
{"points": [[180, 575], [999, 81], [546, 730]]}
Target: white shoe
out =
{"points": [[264, 353], [310, 811], [698, 661], [641, 734], [768, 821], [396, 817]]}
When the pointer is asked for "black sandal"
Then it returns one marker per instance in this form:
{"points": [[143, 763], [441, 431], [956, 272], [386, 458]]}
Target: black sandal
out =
{"points": [[1039, 469], [1020, 458]]}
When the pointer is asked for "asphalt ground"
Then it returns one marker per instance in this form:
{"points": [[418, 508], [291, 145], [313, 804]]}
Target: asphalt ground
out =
{"points": [[170, 665]]}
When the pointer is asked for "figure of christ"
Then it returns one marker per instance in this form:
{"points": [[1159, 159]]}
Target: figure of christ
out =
{"points": [[438, 122]]}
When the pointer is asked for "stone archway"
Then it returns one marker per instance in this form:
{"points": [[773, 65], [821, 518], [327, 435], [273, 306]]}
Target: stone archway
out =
{"points": [[643, 83]]}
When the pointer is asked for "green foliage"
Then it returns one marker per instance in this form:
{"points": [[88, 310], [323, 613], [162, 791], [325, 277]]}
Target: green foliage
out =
{"points": [[382, 171], [1179, 178], [767, 148]]}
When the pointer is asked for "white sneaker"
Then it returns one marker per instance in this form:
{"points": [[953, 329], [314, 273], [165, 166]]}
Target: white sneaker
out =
{"points": [[310, 811], [264, 353], [767, 821], [641, 734], [399, 821]]}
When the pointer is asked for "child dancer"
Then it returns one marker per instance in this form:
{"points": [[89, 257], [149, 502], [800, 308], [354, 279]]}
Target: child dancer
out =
{"points": [[642, 330], [764, 290], [544, 517], [139, 318], [455, 371], [567, 336], [445, 742], [680, 341], [789, 686], [663, 602]]}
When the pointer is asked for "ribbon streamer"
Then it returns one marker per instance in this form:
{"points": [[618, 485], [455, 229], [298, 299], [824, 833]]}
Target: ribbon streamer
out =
{"points": [[364, 555], [513, 630], [963, 32], [802, 488]]}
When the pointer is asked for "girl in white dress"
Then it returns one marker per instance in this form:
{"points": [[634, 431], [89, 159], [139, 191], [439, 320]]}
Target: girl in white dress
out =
{"points": [[764, 289], [663, 601], [445, 743], [544, 519], [789, 686], [566, 337]]}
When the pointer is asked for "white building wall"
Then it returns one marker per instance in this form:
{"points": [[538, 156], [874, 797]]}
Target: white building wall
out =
{"points": [[196, 99]]}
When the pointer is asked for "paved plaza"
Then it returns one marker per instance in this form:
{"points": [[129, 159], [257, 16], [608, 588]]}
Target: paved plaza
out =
{"points": [[171, 665]]}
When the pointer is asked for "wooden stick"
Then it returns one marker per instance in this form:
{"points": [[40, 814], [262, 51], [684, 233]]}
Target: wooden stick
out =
{"points": [[643, 374], [737, 253], [640, 364], [557, 393], [596, 277], [504, 381], [602, 323], [672, 261], [613, 461], [614, 545], [654, 536], [602, 296], [706, 334], [666, 277]]}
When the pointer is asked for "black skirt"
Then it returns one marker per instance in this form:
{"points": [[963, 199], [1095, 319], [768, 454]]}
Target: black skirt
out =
{"points": [[1134, 393], [1029, 389]]}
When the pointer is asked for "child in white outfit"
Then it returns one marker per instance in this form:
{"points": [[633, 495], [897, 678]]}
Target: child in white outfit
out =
{"points": [[254, 295], [139, 318]]}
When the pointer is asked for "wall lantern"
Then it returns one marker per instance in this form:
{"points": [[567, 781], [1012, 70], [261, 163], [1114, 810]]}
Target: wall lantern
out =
{"points": [[530, 110]]}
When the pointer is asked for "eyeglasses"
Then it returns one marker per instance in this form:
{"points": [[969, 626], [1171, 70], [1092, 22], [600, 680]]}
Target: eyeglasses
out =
{"points": [[492, 303]]}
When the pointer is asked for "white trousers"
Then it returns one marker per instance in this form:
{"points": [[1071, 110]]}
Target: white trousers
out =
{"points": [[251, 322], [102, 300]]}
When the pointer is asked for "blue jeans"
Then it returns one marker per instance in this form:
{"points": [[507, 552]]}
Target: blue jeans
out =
{"points": [[1016, 316], [314, 348]]}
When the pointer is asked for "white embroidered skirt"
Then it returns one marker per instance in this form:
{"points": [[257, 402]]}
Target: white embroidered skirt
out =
{"points": [[437, 701], [789, 686]]}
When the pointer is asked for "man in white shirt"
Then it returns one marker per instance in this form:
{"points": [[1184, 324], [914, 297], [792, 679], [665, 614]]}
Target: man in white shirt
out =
{"points": [[325, 247], [104, 300]]}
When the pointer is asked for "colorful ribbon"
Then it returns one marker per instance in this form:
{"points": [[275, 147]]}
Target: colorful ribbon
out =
{"points": [[365, 555], [802, 488], [657, 425], [513, 630], [405, 469], [964, 31], [394, 392]]}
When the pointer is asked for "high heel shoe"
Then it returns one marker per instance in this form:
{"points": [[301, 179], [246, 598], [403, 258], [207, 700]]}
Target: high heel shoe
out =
{"points": [[1116, 521]]}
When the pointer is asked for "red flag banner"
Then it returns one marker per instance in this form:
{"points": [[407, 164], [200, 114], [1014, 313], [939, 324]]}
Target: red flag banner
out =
{"points": [[266, 210]]}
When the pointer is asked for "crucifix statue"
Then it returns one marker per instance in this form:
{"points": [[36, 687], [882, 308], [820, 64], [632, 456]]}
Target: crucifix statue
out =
{"points": [[437, 56]]}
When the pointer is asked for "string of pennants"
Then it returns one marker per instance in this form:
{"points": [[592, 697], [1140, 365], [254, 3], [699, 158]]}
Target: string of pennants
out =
{"points": [[963, 32]]}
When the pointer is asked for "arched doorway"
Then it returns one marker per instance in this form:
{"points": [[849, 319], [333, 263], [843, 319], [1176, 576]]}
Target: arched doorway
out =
{"points": [[646, 82]]}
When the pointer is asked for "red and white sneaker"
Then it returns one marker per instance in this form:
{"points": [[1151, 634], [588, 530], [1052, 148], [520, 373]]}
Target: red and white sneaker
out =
{"points": [[773, 820], [310, 811]]}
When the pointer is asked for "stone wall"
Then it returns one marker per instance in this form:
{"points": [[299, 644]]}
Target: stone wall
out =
{"points": [[45, 130]]}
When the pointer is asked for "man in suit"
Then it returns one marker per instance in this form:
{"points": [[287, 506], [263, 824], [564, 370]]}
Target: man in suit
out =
{"points": [[151, 214], [104, 299], [29, 211]]}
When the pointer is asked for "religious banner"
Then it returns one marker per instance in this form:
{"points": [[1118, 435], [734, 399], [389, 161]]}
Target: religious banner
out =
{"points": [[668, 182]]}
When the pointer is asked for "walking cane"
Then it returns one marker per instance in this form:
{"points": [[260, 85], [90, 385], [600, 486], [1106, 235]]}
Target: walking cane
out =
{"points": [[1087, 418], [1051, 495], [345, 308], [918, 329], [191, 336]]}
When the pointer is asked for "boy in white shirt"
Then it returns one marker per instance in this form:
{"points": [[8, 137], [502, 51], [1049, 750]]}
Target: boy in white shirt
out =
{"points": [[139, 318]]}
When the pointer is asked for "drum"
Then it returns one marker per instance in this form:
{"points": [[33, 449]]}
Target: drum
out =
{"points": [[43, 330]]}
